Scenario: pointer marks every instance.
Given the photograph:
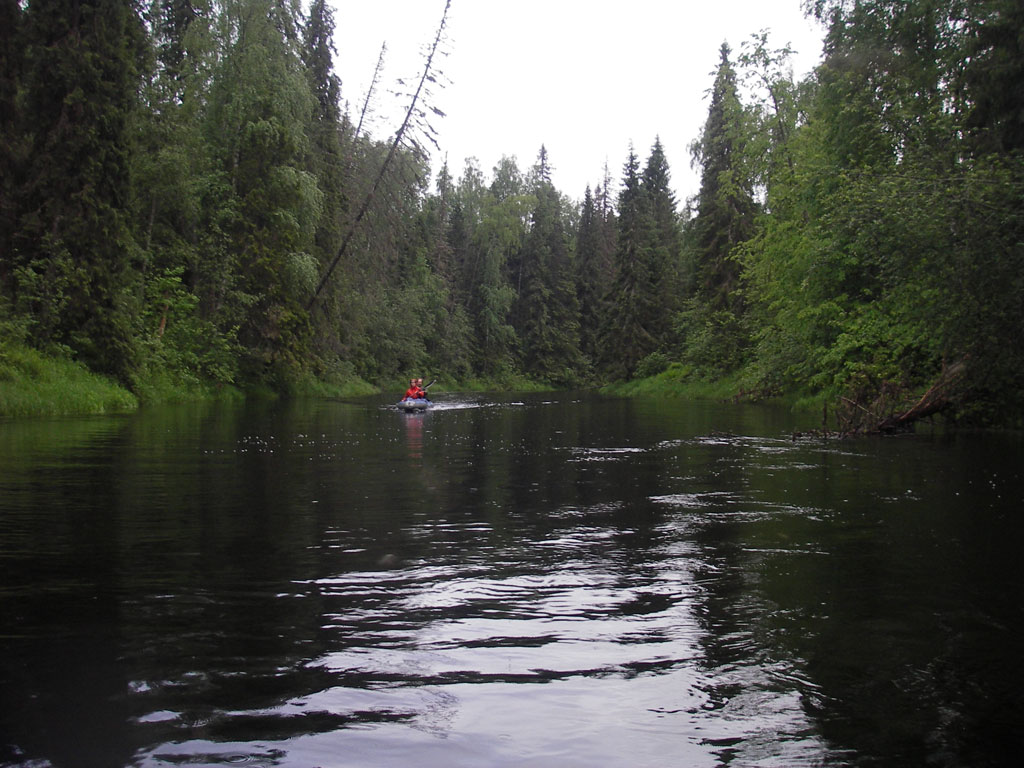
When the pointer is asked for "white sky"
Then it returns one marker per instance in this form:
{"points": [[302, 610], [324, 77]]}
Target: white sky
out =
{"points": [[585, 78]]}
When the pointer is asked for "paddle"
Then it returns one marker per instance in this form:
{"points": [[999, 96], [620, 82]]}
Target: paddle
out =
{"points": [[432, 382]]}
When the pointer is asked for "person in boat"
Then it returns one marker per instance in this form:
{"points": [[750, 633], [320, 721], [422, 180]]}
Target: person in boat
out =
{"points": [[415, 391]]}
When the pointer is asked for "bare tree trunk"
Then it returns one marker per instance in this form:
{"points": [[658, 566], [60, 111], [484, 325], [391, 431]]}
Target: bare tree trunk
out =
{"points": [[387, 161]]}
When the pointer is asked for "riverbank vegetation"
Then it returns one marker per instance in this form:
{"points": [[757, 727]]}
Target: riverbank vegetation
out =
{"points": [[187, 209]]}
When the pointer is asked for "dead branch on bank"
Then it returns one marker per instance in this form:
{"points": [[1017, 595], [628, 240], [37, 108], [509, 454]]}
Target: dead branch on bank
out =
{"points": [[937, 399], [888, 413]]}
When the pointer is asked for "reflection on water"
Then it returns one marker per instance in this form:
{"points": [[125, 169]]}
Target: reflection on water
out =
{"points": [[533, 581]]}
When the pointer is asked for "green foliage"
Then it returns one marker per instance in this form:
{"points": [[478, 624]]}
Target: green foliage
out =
{"points": [[725, 203], [32, 384], [173, 193], [889, 258], [182, 350], [713, 341], [71, 247], [625, 330], [676, 381], [652, 365], [546, 312]]}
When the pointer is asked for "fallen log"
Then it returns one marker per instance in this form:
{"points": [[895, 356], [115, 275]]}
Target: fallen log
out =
{"points": [[885, 412], [936, 400]]}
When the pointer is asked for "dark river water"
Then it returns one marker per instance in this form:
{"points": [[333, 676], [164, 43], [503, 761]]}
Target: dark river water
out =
{"points": [[552, 580]]}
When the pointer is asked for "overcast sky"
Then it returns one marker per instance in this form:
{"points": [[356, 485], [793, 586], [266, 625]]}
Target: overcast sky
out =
{"points": [[585, 78]]}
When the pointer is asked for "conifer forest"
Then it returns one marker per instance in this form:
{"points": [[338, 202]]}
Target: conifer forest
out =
{"points": [[183, 198]]}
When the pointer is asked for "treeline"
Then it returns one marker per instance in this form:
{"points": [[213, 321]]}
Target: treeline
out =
{"points": [[181, 184]]}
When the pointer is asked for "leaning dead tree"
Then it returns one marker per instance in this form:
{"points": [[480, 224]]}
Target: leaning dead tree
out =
{"points": [[411, 113], [370, 91], [937, 399], [890, 412]]}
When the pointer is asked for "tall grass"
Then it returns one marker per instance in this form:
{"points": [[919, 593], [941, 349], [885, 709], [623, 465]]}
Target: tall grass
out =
{"points": [[32, 384], [678, 381], [339, 385]]}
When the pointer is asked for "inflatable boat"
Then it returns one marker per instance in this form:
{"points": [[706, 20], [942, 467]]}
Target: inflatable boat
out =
{"points": [[418, 404]]}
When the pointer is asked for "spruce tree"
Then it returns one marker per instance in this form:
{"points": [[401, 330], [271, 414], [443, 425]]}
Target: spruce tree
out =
{"points": [[11, 53], [547, 313], [258, 119], [663, 244], [594, 265], [625, 336], [328, 163], [994, 78], [725, 203], [588, 275], [711, 327], [73, 248], [487, 233]]}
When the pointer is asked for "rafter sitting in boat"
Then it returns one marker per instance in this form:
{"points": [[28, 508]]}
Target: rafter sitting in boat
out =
{"points": [[415, 397]]}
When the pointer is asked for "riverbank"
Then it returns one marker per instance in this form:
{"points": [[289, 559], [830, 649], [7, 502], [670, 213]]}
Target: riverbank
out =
{"points": [[33, 384], [681, 381]]}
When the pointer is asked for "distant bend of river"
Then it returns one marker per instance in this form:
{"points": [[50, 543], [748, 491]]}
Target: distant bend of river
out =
{"points": [[544, 580]]}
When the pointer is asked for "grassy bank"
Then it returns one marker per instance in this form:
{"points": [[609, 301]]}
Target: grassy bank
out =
{"points": [[32, 384], [680, 381]]}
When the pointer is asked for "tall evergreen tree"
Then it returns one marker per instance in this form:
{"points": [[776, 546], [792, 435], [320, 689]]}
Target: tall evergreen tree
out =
{"points": [[625, 337], [725, 203], [711, 327], [11, 53], [490, 234], [170, 21], [328, 162], [994, 77], [547, 314], [259, 117], [596, 239], [663, 243], [73, 248], [593, 274]]}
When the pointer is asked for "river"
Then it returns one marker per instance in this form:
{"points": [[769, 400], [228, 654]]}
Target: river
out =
{"points": [[540, 580]]}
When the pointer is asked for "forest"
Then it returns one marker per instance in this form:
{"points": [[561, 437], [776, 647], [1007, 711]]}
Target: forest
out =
{"points": [[185, 206]]}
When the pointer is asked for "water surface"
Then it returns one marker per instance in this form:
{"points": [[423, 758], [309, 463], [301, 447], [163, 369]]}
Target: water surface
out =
{"points": [[546, 580]]}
